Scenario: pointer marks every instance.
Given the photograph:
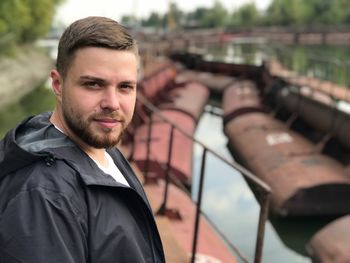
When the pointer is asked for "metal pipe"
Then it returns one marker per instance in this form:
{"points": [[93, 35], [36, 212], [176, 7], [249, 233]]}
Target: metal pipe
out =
{"points": [[148, 141], [263, 216], [162, 209], [199, 201]]}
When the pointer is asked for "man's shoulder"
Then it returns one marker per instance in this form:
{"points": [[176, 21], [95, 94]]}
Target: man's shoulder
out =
{"points": [[46, 176]]}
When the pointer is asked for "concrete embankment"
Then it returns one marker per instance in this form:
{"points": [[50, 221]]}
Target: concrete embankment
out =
{"points": [[22, 73]]}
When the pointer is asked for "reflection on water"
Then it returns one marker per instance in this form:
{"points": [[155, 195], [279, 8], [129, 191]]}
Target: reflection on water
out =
{"points": [[326, 62], [239, 53], [229, 202], [296, 232]]}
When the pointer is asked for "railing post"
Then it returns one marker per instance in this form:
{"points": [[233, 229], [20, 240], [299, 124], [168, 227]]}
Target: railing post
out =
{"points": [[148, 150], [199, 201], [263, 216], [162, 209]]}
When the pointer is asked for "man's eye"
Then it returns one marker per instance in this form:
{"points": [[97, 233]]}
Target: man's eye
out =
{"points": [[92, 85], [126, 87]]}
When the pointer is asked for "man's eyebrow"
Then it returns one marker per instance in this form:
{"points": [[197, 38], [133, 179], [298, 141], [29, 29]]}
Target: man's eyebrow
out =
{"points": [[100, 80], [91, 78], [129, 82]]}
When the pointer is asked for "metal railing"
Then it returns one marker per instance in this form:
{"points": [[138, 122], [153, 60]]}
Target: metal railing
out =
{"points": [[263, 190]]}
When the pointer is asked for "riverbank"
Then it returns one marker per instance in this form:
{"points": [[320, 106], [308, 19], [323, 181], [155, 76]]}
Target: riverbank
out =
{"points": [[22, 73]]}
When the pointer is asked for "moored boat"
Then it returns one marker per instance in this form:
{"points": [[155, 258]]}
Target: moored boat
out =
{"points": [[211, 247], [178, 104], [151, 154], [304, 181]]}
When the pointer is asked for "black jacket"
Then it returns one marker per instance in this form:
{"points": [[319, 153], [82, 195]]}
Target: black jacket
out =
{"points": [[56, 205]]}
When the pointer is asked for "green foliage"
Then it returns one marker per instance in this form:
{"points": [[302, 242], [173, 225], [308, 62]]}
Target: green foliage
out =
{"points": [[216, 16], [40, 19], [288, 12], [40, 100], [246, 15], [14, 15], [26, 20], [311, 12], [154, 20], [279, 13]]}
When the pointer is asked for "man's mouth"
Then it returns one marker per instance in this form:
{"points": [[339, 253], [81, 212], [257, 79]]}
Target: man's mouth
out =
{"points": [[108, 123]]}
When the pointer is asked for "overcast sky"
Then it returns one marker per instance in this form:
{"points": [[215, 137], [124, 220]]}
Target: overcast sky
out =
{"points": [[75, 9]]}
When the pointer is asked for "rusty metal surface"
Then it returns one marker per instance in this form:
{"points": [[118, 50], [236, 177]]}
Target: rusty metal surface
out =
{"points": [[209, 243], [151, 86], [263, 190], [240, 97], [332, 243], [303, 181], [310, 108], [215, 82], [190, 98], [181, 164], [289, 164]]}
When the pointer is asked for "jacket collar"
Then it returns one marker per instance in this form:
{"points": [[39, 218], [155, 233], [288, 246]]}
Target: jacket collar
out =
{"points": [[36, 139]]}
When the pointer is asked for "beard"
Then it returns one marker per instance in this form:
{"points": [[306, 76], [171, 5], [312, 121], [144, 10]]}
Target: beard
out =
{"points": [[98, 138]]}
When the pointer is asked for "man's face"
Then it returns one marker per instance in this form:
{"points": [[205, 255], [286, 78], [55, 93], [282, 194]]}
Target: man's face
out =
{"points": [[98, 96]]}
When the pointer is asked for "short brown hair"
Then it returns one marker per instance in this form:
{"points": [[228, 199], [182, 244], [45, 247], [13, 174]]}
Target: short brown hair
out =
{"points": [[93, 31]]}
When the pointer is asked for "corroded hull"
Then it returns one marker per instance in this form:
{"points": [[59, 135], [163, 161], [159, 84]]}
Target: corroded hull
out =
{"points": [[304, 182]]}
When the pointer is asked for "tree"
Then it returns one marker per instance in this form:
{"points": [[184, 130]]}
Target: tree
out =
{"points": [[216, 16], [246, 15], [41, 15], [287, 12], [311, 12], [14, 15], [154, 20], [26, 20]]}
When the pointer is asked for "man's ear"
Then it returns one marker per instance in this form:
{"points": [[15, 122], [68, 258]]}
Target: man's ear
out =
{"points": [[56, 83]]}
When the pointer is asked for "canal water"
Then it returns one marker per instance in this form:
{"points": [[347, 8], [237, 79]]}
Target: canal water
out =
{"points": [[227, 200]]}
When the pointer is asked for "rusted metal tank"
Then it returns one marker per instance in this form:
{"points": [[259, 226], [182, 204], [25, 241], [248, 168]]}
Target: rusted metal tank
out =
{"points": [[318, 110], [182, 147], [215, 82], [196, 61], [150, 87], [303, 181], [189, 98], [211, 247], [153, 84], [181, 104], [240, 97], [331, 244]]}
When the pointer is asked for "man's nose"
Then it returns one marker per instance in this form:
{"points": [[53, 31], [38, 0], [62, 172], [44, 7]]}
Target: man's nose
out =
{"points": [[110, 99]]}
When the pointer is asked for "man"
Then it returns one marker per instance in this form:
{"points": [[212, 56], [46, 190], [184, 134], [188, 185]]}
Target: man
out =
{"points": [[67, 194]]}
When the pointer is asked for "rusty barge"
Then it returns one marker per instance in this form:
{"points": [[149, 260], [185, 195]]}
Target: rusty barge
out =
{"points": [[289, 132]]}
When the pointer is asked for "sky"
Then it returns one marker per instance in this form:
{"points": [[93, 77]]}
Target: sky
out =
{"points": [[72, 10]]}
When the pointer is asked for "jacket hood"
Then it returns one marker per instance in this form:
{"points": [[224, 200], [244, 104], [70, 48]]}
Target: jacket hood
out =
{"points": [[32, 140]]}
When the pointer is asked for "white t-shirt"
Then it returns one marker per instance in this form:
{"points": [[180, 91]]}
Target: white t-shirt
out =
{"points": [[113, 170]]}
